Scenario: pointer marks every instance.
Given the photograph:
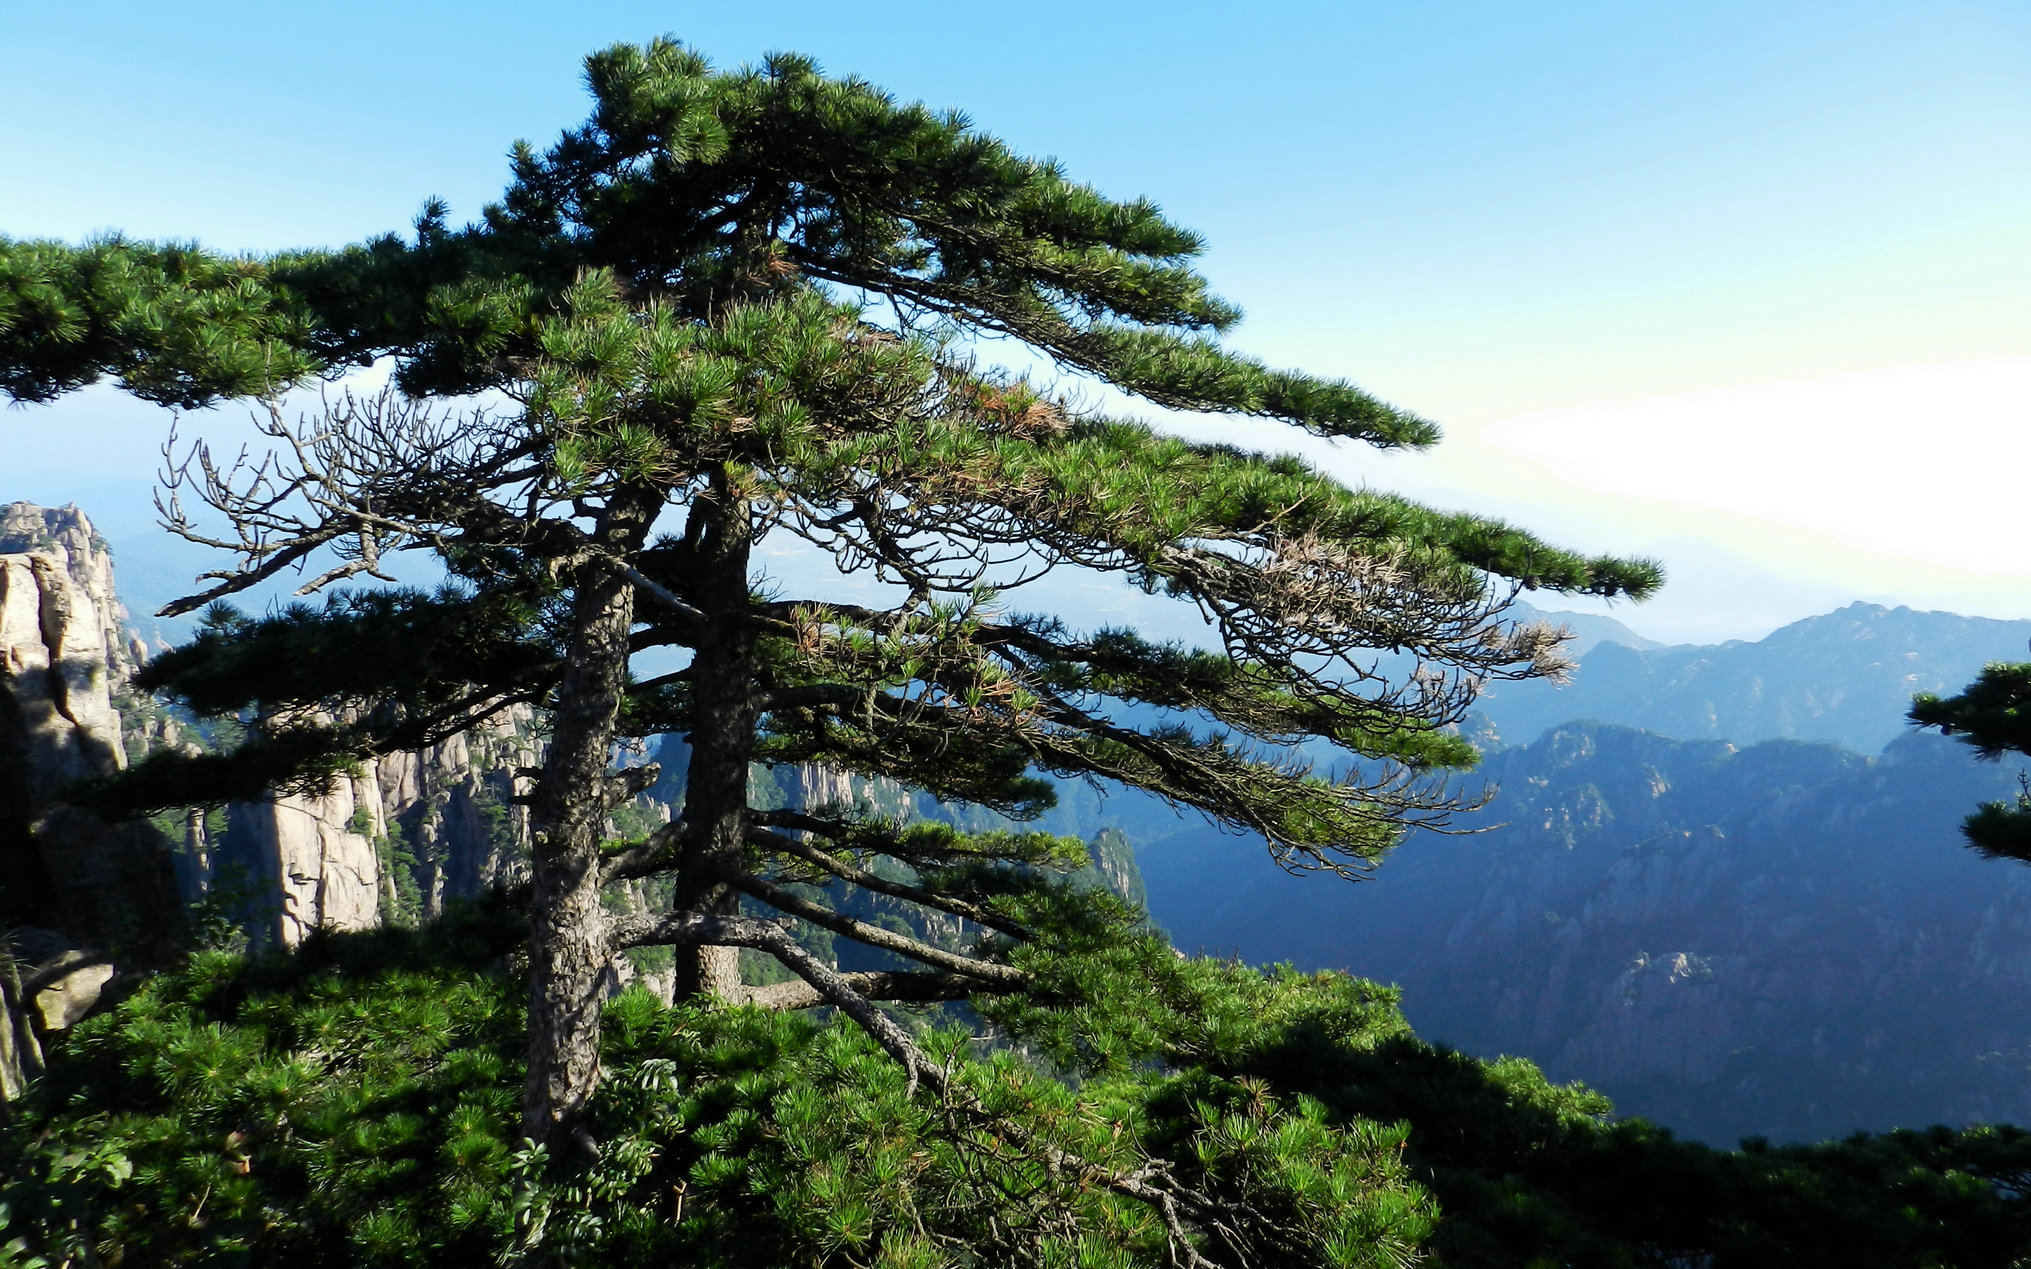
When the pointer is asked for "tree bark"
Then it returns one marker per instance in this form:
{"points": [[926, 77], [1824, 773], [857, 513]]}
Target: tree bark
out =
{"points": [[725, 705], [569, 946]]}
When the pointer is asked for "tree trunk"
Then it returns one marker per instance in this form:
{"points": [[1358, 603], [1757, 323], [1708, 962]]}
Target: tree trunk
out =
{"points": [[710, 973], [723, 717], [569, 949]]}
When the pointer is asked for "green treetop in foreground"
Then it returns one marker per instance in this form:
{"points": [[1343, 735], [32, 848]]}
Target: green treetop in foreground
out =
{"points": [[351, 1106], [736, 305]]}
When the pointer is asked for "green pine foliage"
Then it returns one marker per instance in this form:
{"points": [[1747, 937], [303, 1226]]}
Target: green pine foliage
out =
{"points": [[1993, 714], [403, 879], [342, 1106], [354, 1105], [809, 1146], [176, 324], [741, 305]]}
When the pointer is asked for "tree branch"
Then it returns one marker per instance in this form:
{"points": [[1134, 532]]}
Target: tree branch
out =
{"points": [[914, 986], [812, 695], [874, 936], [692, 929], [654, 855], [881, 885], [655, 590], [1151, 1184]]}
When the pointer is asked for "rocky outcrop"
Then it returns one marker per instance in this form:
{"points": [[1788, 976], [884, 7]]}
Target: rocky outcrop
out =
{"points": [[64, 989], [808, 788], [1114, 866], [403, 835], [62, 652], [802, 787], [76, 892], [396, 840], [453, 807], [314, 864], [66, 538]]}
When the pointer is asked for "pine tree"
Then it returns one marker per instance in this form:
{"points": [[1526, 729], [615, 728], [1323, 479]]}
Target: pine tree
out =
{"points": [[1993, 714], [738, 305]]}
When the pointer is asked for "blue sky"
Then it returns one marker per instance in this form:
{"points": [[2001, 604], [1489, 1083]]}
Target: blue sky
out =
{"points": [[1744, 286]]}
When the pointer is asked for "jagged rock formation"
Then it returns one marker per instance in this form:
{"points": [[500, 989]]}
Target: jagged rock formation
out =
{"points": [[809, 787], [802, 788], [67, 538], [453, 806], [62, 654], [312, 861], [403, 835], [1114, 865], [75, 890]]}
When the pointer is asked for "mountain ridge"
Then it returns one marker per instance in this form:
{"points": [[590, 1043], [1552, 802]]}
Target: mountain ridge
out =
{"points": [[1786, 939], [1846, 676]]}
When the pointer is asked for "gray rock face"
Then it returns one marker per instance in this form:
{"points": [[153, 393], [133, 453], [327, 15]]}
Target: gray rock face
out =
{"points": [[66, 538], [61, 653], [71, 986], [68, 879], [409, 830], [453, 805], [55, 666], [317, 868], [20, 1048], [810, 788], [1114, 865]]}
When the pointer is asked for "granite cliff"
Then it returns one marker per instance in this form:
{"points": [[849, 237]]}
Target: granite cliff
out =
{"points": [[65, 876], [78, 895], [396, 839]]}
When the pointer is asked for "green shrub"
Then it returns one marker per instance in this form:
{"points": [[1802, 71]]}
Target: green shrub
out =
{"points": [[356, 1103]]}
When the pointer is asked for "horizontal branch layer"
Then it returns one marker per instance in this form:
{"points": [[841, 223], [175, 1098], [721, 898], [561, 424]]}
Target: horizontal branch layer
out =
{"points": [[875, 936], [897, 985], [881, 885]]}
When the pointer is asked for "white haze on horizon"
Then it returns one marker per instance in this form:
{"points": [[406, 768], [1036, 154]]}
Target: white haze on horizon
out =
{"points": [[1902, 485], [1766, 502]]}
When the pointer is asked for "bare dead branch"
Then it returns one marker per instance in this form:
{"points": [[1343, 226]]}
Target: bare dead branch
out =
{"points": [[364, 477]]}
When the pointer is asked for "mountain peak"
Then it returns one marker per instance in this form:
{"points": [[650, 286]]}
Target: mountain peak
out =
{"points": [[1845, 676]]}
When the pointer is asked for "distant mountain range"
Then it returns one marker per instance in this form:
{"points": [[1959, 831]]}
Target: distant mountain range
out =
{"points": [[1786, 940], [1847, 677]]}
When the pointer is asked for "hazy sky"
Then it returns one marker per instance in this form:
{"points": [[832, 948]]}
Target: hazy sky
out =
{"points": [[1743, 286]]}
